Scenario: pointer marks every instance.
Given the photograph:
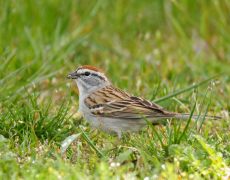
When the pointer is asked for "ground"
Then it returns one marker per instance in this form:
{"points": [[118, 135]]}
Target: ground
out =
{"points": [[174, 53]]}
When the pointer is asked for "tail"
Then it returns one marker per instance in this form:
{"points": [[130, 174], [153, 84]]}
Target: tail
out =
{"points": [[160, 120], [187, 116]]}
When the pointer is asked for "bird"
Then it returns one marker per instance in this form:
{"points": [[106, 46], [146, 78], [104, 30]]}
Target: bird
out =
{"points": [[113, 110]]}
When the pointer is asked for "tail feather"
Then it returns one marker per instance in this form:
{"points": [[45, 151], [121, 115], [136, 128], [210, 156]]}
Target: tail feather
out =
{"points": [[161, 120], [187, 116]]}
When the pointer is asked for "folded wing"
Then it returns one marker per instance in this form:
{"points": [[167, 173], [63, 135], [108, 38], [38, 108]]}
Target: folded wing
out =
{"points": [[115, 103]]}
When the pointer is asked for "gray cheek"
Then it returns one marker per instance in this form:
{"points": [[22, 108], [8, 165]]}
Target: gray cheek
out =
{"points": [[87, 83], [82, 85], [92, 82]]}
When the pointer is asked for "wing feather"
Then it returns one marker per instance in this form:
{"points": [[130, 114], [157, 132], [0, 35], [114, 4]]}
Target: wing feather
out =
{"points": [[115, 103]]}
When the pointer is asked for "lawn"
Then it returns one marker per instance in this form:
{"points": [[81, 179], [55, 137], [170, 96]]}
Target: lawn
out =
{"points": [[174, 53]]}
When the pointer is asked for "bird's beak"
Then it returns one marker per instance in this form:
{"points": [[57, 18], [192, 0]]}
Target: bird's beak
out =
{"points": [[73, 75]]}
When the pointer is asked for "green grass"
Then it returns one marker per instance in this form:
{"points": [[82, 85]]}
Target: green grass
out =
{"points": [[161, 50]]}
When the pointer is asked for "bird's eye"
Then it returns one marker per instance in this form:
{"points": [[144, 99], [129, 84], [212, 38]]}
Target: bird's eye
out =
{"points": [[87, 73]]}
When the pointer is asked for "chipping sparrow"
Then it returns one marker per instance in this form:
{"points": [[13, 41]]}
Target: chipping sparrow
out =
{"points": [[111, 109]]}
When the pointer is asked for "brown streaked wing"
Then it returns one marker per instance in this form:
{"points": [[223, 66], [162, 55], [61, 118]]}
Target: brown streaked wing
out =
{"points": [[105, 95], [115, 103]]}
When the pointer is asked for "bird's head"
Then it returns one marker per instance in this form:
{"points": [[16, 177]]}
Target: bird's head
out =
{"points": [[89, 78]]}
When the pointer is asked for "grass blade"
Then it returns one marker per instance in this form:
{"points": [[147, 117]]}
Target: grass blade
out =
{"points": [[184, 90], [188, 122], [91, 143], [203, 118]]}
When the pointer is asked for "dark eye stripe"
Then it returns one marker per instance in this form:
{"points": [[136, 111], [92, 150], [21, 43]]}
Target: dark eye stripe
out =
{"points": [[93, 74], [85, 74], [96, 75]]}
